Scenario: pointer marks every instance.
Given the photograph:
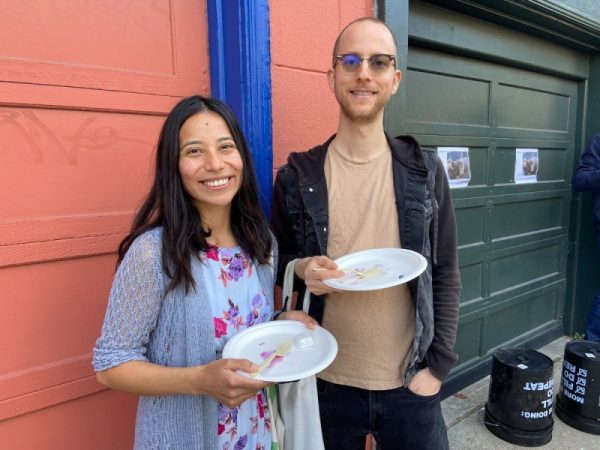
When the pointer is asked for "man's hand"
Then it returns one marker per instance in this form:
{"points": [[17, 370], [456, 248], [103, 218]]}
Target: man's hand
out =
{"points": [[424, 383], [314, 270]]}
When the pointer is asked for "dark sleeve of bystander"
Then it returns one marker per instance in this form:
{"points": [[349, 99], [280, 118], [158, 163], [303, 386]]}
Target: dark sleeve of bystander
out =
{"points": [[587, 174]]}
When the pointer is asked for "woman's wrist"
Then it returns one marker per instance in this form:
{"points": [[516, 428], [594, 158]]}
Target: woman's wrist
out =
{"points": [[192, 380]]}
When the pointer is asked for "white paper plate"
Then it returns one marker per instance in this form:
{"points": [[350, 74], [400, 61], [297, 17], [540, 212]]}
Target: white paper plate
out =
{"points": [[377, 268], [257, 342]]}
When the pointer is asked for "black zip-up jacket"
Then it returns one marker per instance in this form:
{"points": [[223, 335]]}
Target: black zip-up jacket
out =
{"points": [[299, 219]]}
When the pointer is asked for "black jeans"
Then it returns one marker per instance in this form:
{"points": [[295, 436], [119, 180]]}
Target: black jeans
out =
{"points": [[397, 418]]}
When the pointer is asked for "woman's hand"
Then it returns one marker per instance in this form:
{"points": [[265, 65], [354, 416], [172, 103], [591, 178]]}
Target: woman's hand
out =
{"points": [[220, 380], [314, 270], [300, 316], [217, 379]]}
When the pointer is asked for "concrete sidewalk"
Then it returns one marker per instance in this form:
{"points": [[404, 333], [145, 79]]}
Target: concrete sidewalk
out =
{"points": [[463, 413]]}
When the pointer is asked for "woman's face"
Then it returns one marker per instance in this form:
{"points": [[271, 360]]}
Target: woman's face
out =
{"points": [[210, 164]]}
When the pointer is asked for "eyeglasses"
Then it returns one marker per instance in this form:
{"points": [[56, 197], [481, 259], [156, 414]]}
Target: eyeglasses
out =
{"points": [[350, 62]]}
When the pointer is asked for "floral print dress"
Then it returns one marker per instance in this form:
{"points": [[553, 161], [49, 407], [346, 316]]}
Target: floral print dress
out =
{"points": [[237, 302]]}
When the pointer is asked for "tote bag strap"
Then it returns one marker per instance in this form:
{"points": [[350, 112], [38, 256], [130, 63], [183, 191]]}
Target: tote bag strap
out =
{"points": [[288, 287]]}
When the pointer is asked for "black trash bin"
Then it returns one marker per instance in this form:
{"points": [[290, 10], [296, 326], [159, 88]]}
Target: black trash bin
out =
{"points": [[519, 406], [578, 400]]}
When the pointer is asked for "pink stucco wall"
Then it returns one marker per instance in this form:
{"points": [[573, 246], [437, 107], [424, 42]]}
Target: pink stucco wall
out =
{"points": [[302, 36]]}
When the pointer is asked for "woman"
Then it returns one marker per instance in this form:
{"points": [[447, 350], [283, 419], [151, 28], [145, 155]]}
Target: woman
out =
{"points": [[196, 268]]}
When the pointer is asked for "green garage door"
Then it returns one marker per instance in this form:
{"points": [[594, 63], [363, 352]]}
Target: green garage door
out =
{"points": [[513, 237]]}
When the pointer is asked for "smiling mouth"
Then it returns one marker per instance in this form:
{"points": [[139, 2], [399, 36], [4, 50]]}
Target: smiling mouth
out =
{"points": [[362, 93], [216, 183]]}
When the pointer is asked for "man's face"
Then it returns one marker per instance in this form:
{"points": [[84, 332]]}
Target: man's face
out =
{"points": [[363, 93]]}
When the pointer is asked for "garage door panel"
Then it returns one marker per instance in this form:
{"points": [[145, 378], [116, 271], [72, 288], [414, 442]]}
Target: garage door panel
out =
{"points": [[524, 216], [474, 233], [479, 163], [77, 45], [502, 171], [520, 316], [526, 108], [553, 167], [106, 79], [73, 292], [57, 161], [65, 157], [443, 98], [103, 421], [468, 339], [525, 267], [97, 25], [555, 164], [479, 160], [54, 319], [471, 276], [449, 65]]}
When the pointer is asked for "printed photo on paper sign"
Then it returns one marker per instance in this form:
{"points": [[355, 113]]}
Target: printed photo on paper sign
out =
{"points": [[526, 165], [457, 165]]}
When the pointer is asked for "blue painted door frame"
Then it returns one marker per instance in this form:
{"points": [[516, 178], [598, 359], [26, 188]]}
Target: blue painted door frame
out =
{"points": [[240, 75]]}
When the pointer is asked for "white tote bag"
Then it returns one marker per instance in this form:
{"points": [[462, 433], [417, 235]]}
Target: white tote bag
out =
{"points": [[298, 401]]}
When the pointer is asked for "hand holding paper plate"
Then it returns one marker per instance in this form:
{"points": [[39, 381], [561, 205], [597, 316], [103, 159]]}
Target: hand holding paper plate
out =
{"points": [[284, 350], [377, 268]]}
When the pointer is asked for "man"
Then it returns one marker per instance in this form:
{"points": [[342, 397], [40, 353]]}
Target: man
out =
{"points": [[587, 178], [361, 190]]}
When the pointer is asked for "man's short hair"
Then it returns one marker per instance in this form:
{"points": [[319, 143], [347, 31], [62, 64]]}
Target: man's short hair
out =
{"points": [[361, 19]]}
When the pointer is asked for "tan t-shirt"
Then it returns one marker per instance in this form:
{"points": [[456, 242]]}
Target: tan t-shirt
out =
{"points": [[374, 329]]}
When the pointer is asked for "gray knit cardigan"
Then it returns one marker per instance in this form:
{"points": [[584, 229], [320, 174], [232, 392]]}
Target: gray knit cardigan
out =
{"points": [[174, 329]]}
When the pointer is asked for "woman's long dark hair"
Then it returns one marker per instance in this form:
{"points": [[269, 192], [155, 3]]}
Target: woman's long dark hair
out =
{"points": [[168, 205]]}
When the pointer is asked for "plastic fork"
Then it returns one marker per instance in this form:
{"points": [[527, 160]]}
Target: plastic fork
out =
{"points": [[282, 350]]}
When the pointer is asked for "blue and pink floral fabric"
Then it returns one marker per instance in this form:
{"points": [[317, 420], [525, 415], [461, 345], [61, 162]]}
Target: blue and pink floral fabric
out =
{"points": [[238, 302]]}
